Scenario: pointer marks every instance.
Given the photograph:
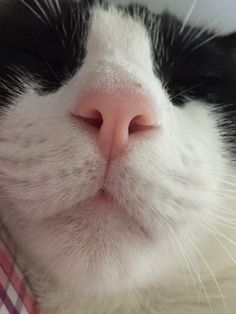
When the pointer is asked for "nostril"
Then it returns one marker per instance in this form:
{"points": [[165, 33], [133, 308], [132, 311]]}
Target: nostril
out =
{"points": [[94, 119], [139, 124]]}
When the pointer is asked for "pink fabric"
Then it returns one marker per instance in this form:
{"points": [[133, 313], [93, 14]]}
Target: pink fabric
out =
{"points": [[15, 294]]}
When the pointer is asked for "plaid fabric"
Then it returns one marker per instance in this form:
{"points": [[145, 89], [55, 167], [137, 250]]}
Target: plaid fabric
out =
{"points": [[15, 295]]}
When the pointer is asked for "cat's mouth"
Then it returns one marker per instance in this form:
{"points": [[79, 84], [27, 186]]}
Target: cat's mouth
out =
{"points": [[103, 209], [102, 202], [103, 195]]}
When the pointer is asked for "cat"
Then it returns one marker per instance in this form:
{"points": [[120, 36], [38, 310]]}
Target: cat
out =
{"points": [[117, 157]]}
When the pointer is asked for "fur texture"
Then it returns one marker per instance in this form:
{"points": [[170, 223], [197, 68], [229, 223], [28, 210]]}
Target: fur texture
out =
{"points": [[167, 243]]}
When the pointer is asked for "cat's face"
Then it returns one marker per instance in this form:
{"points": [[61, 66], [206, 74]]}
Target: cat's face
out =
{"points": [[158, 190]]}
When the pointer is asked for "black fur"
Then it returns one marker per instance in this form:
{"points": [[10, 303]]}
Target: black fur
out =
{"points": [[193, 63], [48, 49]]}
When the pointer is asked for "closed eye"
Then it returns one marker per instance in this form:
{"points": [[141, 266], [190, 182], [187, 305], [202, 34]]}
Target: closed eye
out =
{"points": [[193, 87]]}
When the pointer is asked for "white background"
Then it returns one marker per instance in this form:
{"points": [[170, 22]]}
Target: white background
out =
{"points": [[218, 14]]}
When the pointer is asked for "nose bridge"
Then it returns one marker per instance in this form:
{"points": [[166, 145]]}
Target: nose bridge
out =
{"points": [[114, 73], [114, 35]]}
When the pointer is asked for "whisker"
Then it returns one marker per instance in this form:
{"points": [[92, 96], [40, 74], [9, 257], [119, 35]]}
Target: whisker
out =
{"points": [[52, 70], [132, 291], [186, 90], [50, 6], [212, 275], [42, 11], [188, 261], [218, 232], [64, 29], [227, 196], [220, 243], [189, 13], [58, 6], [226, 211], [54, 6], [33, 11], [225, 225], [227, 190], [228, 182], [182, 253], [205, 42], [225, 220], [182, 263], [224, 174], [206, 29]]}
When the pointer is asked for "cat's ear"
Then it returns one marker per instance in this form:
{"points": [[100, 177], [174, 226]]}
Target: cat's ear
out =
{"points": [[228, 44]]}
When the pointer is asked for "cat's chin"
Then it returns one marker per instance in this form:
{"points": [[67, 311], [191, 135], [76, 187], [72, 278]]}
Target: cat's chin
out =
{"points": [[105, 244]]}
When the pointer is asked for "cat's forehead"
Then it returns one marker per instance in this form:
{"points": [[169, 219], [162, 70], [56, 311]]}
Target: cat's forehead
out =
{"points": [[114, 31]]}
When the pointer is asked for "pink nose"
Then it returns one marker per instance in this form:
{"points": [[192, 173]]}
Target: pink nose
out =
{"points": [[116, 118]]}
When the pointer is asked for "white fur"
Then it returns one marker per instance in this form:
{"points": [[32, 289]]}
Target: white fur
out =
{"points": [[169, 184]]}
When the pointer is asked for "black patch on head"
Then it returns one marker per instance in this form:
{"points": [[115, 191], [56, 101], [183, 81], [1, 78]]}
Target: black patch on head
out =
{"points": [[197, 64], [193, 64], [42, 40]]}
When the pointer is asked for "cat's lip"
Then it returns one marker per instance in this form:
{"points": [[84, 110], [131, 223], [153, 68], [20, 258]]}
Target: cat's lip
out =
{"points": [[103, 203], [104, 196], [106, 201], [102, 200]]}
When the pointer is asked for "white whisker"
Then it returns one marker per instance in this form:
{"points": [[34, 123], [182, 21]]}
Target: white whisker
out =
{"points": [[228, 182], [51, 6], [58, 6], [206, 29], [33, 11], [205, 42], [227, 222], [227, 196], [212, 275], [220, 243], [185, 90], [52, 70], [218, 232], [227, 190], [227, 212], [132, 291], [190, 12], [173, 236], [189, 263], [42, 11]]}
